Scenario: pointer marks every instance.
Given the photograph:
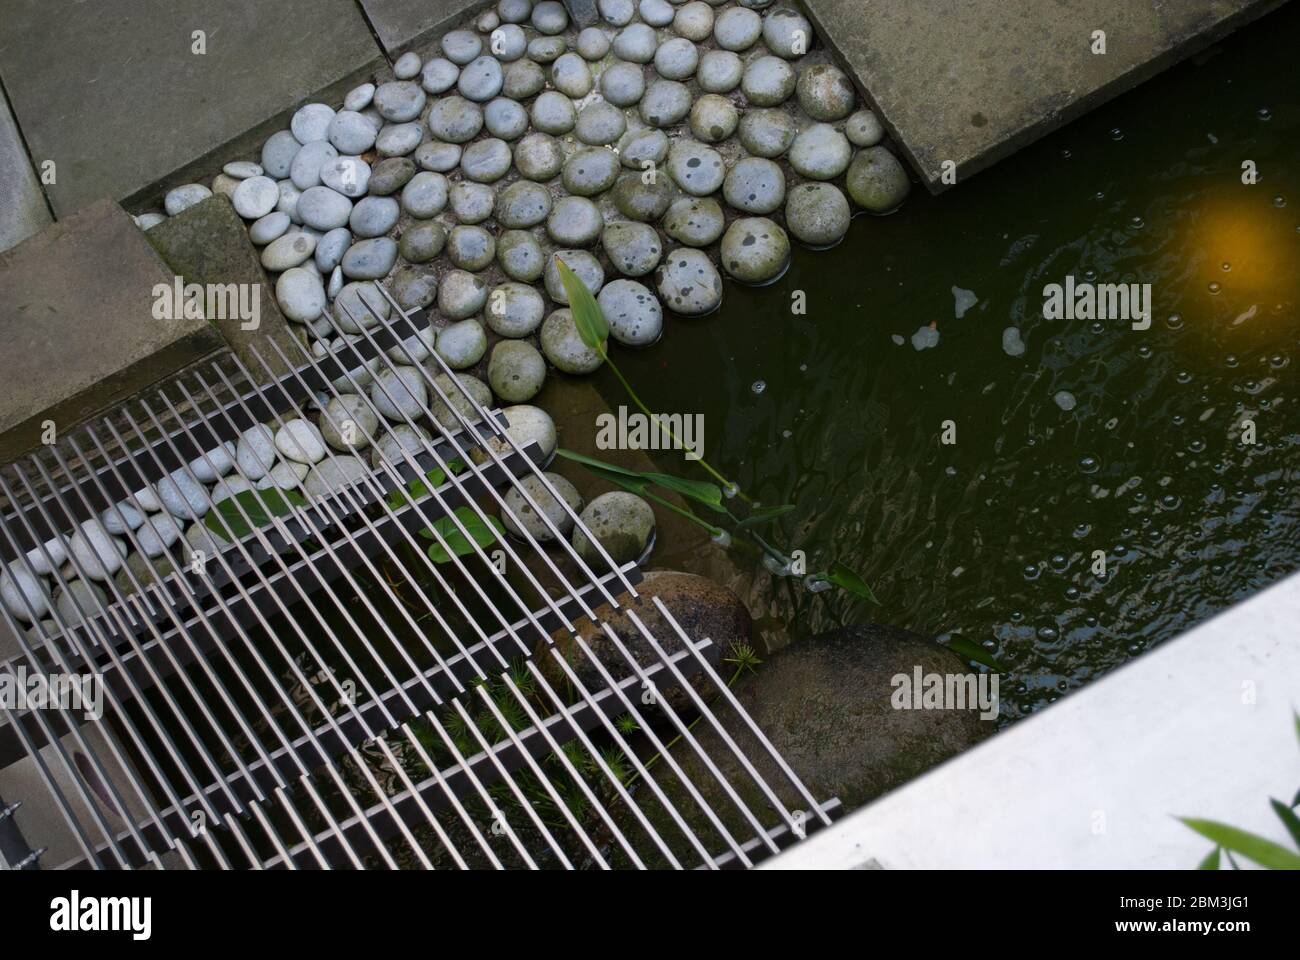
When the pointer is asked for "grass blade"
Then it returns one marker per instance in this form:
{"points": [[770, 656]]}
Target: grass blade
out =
{"points": [[1264, 852], [587, 316]]}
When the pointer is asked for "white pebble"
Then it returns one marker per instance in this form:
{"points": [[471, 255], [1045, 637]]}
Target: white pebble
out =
{"points": [[300, 441]]}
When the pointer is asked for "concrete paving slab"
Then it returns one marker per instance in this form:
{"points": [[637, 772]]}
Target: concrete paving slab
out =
{"points": [[402, 24], [78, 324], [972, 81], [115, 96], [23, 211]]}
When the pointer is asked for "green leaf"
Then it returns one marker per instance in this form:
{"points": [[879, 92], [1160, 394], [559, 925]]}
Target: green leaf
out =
{"points": [[226, 521], [587, 316], [709, 494], [420, 486], [764, 514], [1264, 852], [1211, 861], [970, 650], [1289, 819], [484, 534], [842, 576], [593, 462]]}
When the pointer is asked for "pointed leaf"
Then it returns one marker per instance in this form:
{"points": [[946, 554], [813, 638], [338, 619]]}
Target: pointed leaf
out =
{"points": [[1289, 819], [226, 521], [1264, 852], [484, 534], [587, 316], [765, 514], [593, 462], [842, 576], [709, 494], [970, 650], [1211, 861]]}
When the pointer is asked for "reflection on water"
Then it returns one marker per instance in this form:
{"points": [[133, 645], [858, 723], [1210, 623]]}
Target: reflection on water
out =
{"points": [[993, 538]]}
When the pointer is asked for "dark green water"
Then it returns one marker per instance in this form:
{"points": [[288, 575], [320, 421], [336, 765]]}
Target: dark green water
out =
{"points": [[991, 538]]}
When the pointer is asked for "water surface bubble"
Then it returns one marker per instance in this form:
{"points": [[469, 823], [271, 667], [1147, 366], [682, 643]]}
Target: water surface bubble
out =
{"points": [[758, 386], [1089, 464]]}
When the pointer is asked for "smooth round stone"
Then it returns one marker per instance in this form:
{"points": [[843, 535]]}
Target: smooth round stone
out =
{"points": [[407, 66], [414, 288], [633, 248], [713, 118], [767, 81], [439, 75], [461, 295], [150, 219], [694, 21], [514, 309], [486, 161], [520, 255], [636, 43], [592, 44], [372, 117], [719, 71], [666, 102], [638, 200], [516, 371], [199, 537], [470, 247], [335, 284], [269, 227], [288, 251], [158, 534], [617, 13], [390, 175], [359, 97], [457, 391], [876, 181], [623, 84], [349, 176], [374, 216], [600, 123], [584, 266], [825, 92], [289, 196], [523, 204], [285, 475], [311, 122], [300, 294], [422, 242], [331, 247], [505, 119], [182, 495], [455, 120], [632, 312], [425, 195], [242, 169], [254, 453], [697, 169], [323, 209], [58, 554], [621, 522], [545, 49], [523, 79], [563, 346], [755, 250], [676, 59], [817, 214], [370, 259], [737, 29], [688, 283], [514, 11], [461, 46], [574, 222], [590, 171], [553, 113], [526, 424], [255, 197], [471, 202], [462, 344], [81, 596], [398, 139], [278, 153], [399, 391], [351, 133], [766, 133], [18, 589], [571, 76], [696, 222], [657, 13], [438, 157], [863, 129], [95, 552], [299, 440], [481, 79], [334, 475], [400, 438], [305, 171], [224, 186], [549, 17], [120, 518], [179, 199], [787, 33], [639, 149], [359, 306], [754, 185], [820, 153], [210, 466], [507, 42], [520, 512], [538, 157]]}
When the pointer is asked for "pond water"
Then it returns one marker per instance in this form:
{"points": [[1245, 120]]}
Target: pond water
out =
{"points": [[992, 538]]}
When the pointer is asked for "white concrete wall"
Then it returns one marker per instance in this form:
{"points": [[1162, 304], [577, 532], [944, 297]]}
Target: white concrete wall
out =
{"points": [[1201, 726]]}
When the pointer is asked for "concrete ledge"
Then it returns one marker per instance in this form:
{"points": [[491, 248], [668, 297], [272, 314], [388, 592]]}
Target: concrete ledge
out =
{"points": [[1200, 727], [403, 24]]}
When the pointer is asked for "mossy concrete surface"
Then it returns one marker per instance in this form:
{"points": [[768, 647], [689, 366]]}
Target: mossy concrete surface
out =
{"points": [[77, 321], [972, 81]]}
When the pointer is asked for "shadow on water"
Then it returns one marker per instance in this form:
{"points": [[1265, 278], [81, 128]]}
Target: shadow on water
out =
{"points": [[992, 538]]}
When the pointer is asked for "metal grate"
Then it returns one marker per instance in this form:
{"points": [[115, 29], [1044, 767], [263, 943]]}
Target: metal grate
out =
{"points": [[320, 693]]}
